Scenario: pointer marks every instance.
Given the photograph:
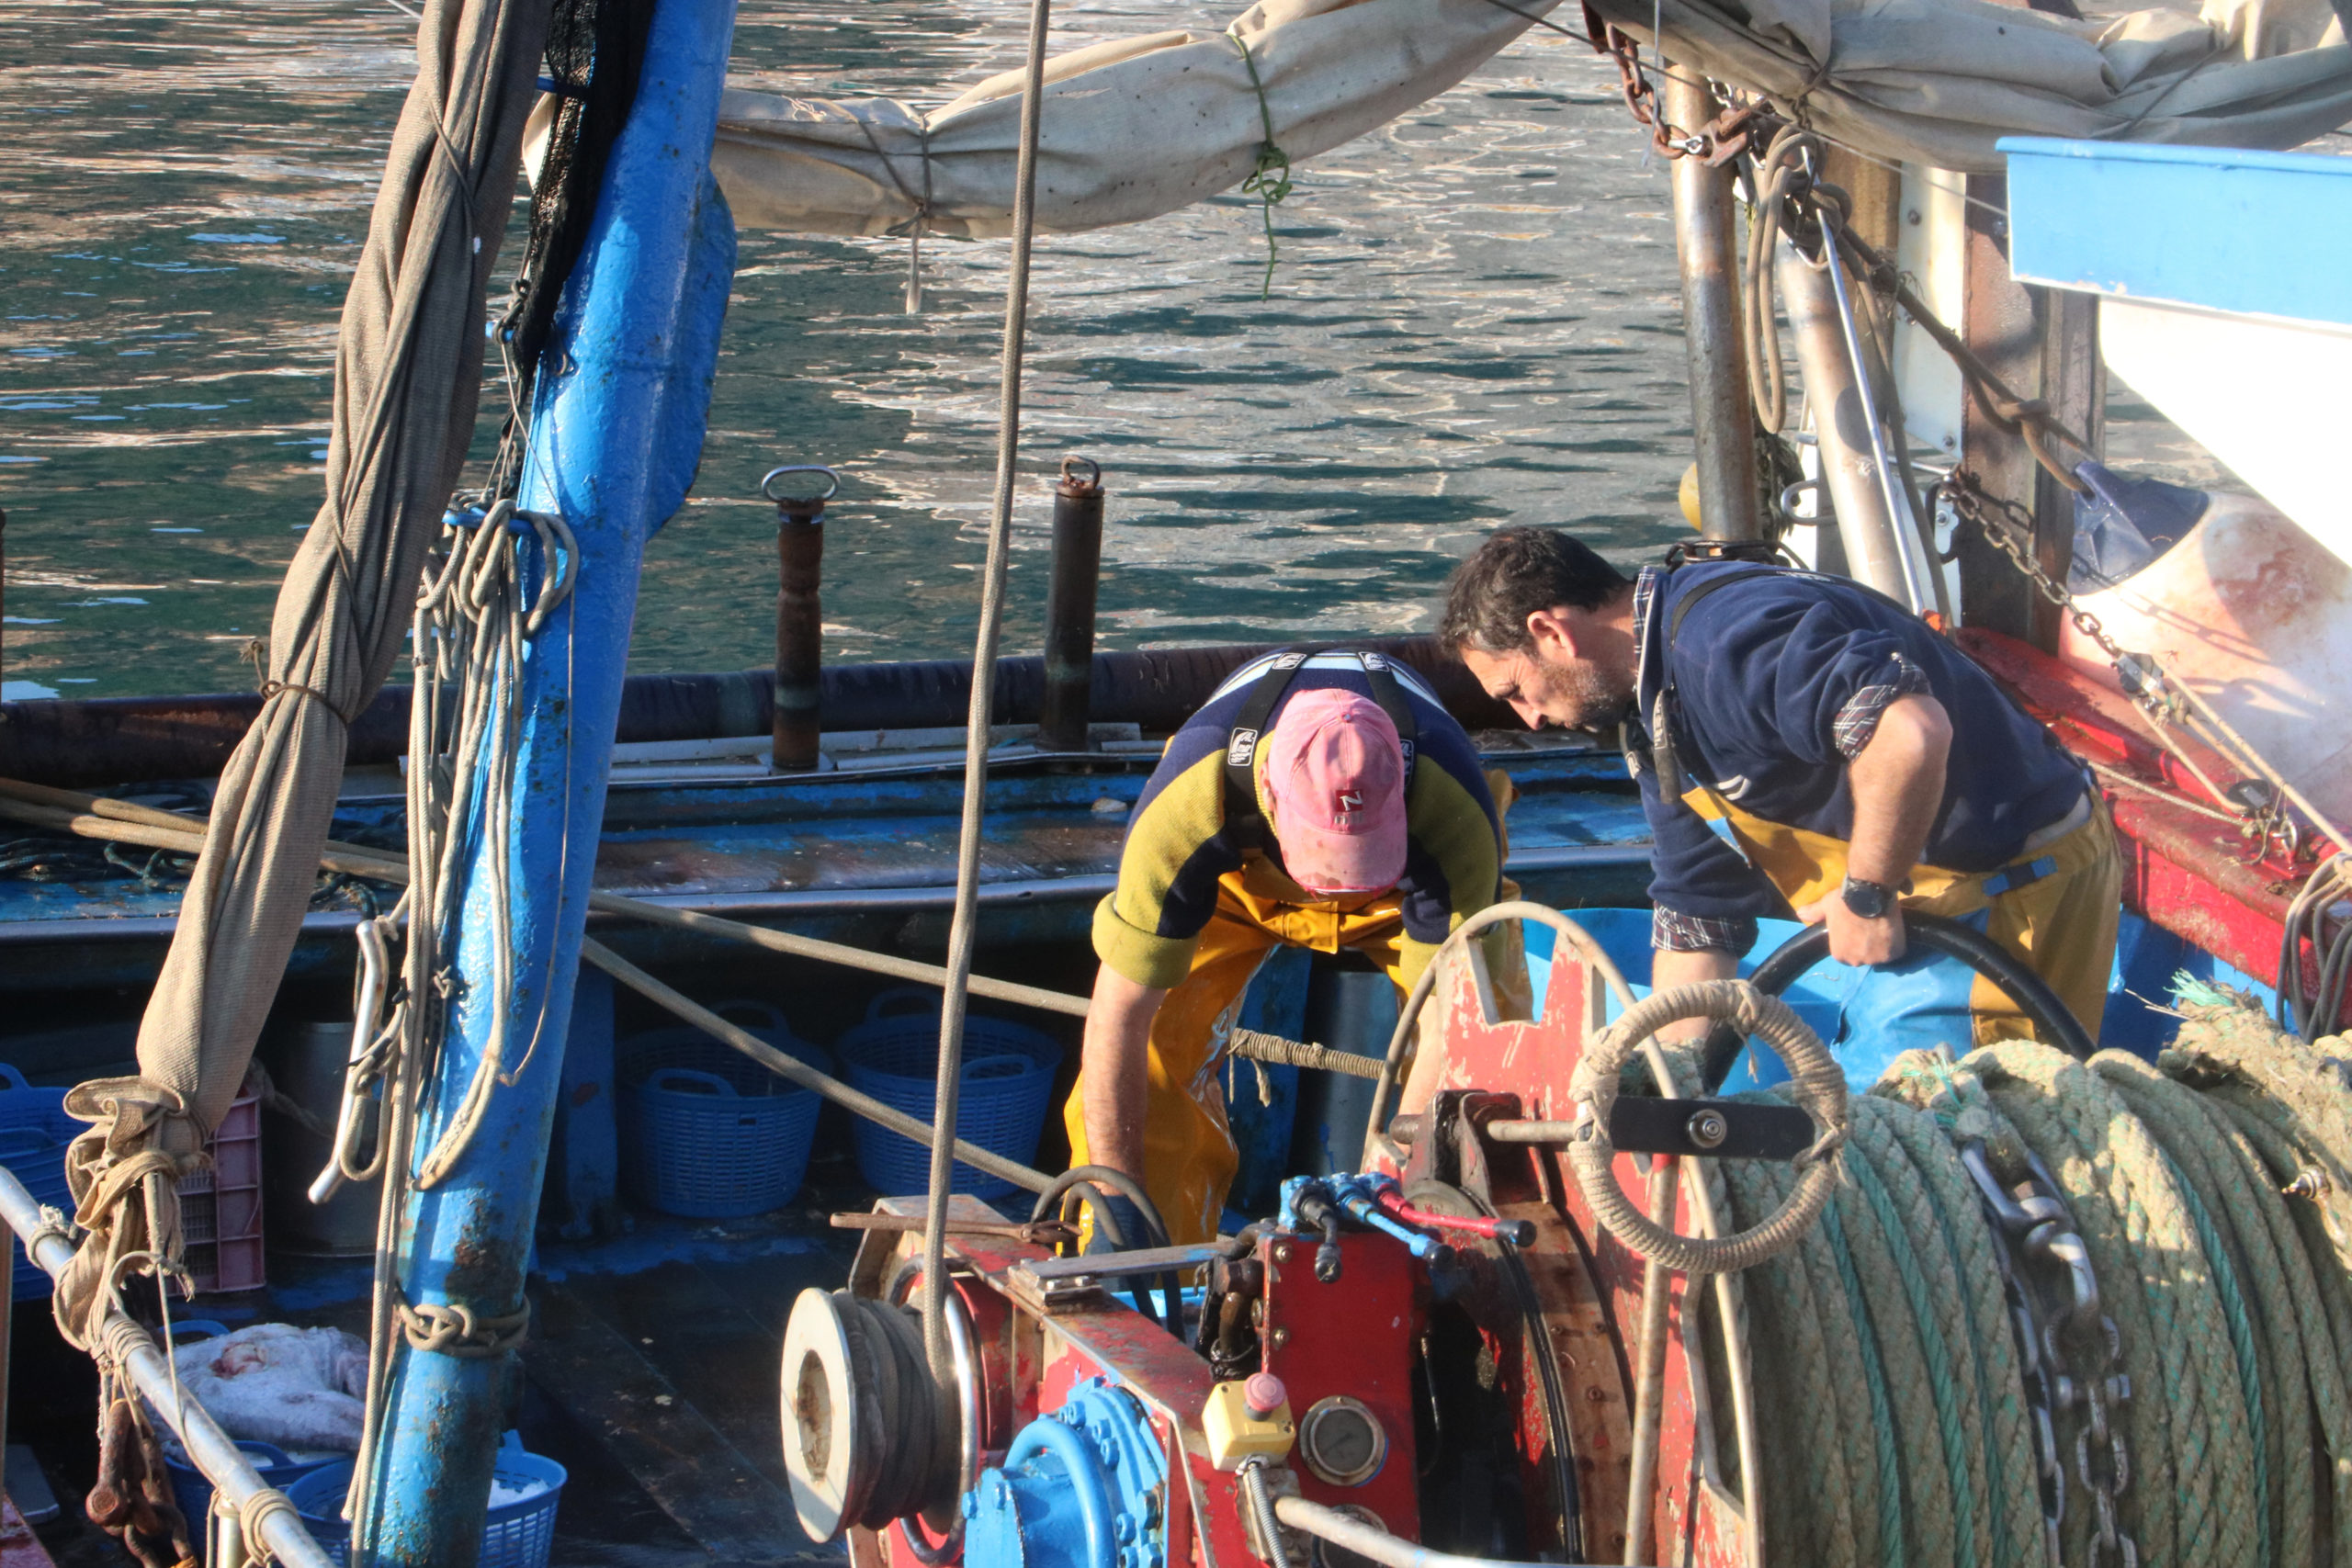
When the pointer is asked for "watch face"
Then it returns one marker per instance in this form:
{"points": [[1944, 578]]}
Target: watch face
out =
{"points": [[1865, 898]]}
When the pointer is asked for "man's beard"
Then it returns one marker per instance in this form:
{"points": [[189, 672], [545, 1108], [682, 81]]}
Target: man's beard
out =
{"points": [[1593, 700]]}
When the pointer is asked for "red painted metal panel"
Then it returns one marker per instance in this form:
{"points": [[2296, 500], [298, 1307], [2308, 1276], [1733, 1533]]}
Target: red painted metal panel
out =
{"points": [[2185, 870], [19, 1548], [1355, 1337]]}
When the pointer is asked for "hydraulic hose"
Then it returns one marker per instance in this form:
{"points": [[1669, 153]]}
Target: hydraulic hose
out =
{"points": [[1937, 933]]}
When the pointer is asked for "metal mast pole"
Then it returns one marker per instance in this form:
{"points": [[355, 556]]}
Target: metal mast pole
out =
{"points": [[1723, 417], [615, 430]]}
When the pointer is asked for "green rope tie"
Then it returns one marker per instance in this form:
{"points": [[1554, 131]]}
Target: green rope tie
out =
{"points": [[1270, 182]]}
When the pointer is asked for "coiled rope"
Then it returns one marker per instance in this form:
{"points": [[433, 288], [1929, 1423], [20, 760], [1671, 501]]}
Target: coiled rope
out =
{"points": [[2154, 1253]]}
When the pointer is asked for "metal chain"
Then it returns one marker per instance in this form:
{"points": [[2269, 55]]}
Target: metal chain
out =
{"points": [[1719, 141], [2261, 813], [2070, 1349]]}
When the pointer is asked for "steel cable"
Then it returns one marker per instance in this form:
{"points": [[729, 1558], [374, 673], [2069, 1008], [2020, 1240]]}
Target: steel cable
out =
{"points": [[963, 929]]}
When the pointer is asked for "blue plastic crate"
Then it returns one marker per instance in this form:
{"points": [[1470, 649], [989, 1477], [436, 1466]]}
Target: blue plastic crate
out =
{"points": [[34, 1130], [705, 1131], [520, 1534], [1008, 1088]]}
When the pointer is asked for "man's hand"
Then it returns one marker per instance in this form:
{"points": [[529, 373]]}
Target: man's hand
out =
{"points": [[1853, 939]]}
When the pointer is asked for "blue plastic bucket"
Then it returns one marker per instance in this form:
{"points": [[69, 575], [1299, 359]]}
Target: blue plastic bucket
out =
{"points": [[34, 1130], [707, 1133], [1008, 1088], [519, 1533]]}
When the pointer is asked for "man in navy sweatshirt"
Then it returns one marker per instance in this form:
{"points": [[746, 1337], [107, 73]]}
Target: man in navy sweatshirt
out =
{"points": [[1803, 746]]}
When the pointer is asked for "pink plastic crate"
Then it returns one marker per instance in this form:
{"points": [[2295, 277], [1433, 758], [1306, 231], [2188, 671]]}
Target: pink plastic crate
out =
{"points": [[221, 1208]]}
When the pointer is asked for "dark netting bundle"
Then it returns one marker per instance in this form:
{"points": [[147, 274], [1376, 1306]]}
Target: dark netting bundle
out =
{"points": [[595, 51]]}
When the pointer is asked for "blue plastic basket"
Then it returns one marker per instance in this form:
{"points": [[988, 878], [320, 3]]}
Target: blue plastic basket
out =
{"points": [[193, 1492], [34, 1130], [1008, 1087], [708, 1134], [520, 1534]]}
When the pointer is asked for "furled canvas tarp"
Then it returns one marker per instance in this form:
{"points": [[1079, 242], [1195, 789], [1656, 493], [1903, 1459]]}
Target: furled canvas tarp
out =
{"points": [[1938, 82], [1138, 127], [1131, 129]]}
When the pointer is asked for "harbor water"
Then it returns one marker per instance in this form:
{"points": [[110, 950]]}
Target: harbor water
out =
{"points": [[1473, 322]]}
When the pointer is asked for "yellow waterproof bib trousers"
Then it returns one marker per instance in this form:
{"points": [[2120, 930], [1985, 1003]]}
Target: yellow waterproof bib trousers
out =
{"points": [[2056, 907]]}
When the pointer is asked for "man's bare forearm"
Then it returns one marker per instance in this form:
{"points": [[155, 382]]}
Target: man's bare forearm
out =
{"points": [[1897, 783], [1668, 970], [1117, 1069]]}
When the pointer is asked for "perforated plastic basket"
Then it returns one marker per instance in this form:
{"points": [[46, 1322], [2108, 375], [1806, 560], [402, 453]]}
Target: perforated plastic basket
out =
{"points": [[34, 1130], [518, 1534], [709, 1134], [194, 1494], [1008, 1087]]}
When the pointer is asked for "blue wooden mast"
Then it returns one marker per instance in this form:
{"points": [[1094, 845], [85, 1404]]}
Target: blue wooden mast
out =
{"points": [[617, 429]]}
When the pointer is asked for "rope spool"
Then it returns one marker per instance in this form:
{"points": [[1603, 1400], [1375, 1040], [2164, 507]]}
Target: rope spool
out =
{"points": [[2028, 1252], [867, 1438]]}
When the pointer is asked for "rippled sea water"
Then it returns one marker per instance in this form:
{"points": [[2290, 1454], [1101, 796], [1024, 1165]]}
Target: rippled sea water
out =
{"points": [[1473, 322]]}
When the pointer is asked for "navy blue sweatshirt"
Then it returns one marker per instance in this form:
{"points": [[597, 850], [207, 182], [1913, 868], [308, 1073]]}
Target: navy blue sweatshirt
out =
{"points": [[1777, 679]]}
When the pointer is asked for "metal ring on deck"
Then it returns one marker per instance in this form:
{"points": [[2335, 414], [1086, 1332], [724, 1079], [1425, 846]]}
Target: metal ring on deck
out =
{"points": [[1094, 472], [832, 485]]}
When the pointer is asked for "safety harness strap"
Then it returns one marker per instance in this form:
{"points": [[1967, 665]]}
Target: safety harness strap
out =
{"points": [[1245, 824]]}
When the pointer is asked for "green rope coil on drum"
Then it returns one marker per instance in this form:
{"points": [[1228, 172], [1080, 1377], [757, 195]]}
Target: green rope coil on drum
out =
{"points": [[2209, 1201]]}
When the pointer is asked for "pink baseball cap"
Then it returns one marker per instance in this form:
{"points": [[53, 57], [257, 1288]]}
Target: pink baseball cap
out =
{"points": [[1335, 776]]}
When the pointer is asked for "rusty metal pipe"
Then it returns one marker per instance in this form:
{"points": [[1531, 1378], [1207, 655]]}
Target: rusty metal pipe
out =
{"points": [[1069, 608], [798, 695], [1722, 413]]}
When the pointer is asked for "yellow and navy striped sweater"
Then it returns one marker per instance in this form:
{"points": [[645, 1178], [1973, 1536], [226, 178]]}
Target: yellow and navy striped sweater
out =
{"points": [[1177, 847]]}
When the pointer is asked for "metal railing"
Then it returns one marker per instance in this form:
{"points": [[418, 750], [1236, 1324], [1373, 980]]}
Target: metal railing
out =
{"points": [[239, 1493]]}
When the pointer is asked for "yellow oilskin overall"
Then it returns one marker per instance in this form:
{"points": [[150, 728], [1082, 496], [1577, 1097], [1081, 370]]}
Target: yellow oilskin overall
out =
{"points": [[2056, 907], [1189, 1154]]}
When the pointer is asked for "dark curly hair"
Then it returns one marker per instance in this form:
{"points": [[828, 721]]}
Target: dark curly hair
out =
{"points": [[1513, 574]]}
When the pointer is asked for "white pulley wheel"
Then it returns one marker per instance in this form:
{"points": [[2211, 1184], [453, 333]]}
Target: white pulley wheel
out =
{"points": [[820, 1417]]}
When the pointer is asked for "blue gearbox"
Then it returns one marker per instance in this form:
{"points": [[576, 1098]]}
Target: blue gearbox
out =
{"points": [[1083, 1487]]}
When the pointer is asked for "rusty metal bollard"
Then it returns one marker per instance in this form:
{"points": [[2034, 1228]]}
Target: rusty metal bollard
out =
{"points": [[1070, 607], [799, 617]]}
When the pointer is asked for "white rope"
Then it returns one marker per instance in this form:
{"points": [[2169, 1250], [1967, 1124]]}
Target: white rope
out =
{"points": [[937, 1349]]}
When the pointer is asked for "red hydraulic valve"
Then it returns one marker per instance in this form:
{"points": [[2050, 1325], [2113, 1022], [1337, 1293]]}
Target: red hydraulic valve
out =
{"points": [[1518, 1233]]}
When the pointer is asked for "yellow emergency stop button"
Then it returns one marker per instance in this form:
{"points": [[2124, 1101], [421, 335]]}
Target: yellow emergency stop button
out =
{"points": [[1249, 1416]]}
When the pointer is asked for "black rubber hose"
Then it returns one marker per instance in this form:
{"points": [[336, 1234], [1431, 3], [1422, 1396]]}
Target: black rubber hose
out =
{"points": [[1172, 1291], [1118, 1182], [2052, 1017]]}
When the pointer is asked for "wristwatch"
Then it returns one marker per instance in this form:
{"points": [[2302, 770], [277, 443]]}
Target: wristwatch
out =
{"points": [[1870, 900]]}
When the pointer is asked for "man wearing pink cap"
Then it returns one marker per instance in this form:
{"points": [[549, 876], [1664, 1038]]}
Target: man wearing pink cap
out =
{"points": [[1322, 800]]}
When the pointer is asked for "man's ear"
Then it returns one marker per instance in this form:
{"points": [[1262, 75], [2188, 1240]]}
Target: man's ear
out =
{"points": [[1557, 633]]}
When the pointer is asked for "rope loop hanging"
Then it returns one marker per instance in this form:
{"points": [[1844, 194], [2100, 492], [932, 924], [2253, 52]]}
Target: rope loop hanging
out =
{"points": [[1817, 1086], [1269, 179]]}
